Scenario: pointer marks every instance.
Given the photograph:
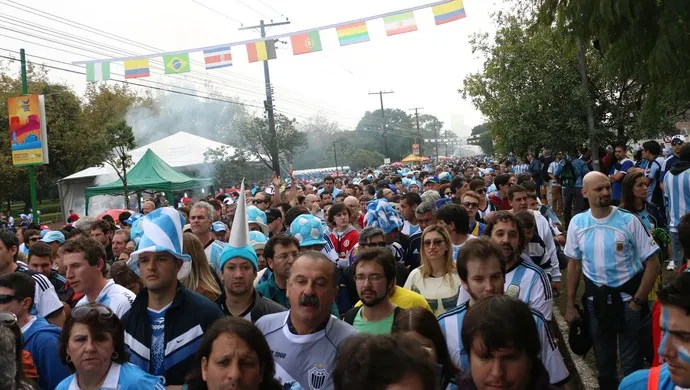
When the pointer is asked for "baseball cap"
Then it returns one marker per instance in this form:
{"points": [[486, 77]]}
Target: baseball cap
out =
{"points": [[53, 236], [579, 338], [677, 140], [218, 227], [132, 218]]}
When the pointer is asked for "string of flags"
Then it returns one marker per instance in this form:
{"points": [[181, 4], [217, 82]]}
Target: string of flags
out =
{"points": [[309, 41], [449, 141]]}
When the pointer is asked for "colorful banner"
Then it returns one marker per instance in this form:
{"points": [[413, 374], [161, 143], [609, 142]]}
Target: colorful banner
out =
{"points": [[306, 43], [178, 63], [448, 12], [400, 23], [98, 71], [137, 68], [261, 51], [352, 33], [218, 58], [28, 134], [415, 149]]}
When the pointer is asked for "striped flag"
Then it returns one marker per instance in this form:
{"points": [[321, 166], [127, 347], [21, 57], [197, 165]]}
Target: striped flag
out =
{"points": [[352, 33], [448, 12], [218, 58], [137, 68], [306, 43], [400, 23], [98, 71], [261, 51]]}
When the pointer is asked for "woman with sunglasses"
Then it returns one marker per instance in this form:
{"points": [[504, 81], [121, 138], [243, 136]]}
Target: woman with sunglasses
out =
{"points": [[235, 355], [15, 363], [92, 344], [436, 279]]}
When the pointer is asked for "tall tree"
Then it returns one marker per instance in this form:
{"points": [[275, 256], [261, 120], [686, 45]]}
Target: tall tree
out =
{"points": [[121, 141], [401, 131], [255, 136]]}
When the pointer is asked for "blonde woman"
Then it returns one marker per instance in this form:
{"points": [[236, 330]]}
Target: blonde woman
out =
{"points": [[436, 279], [200, 279]]}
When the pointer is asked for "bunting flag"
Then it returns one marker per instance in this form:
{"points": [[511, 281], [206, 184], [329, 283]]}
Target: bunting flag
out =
{"points": [[218, 58], [176, 63], [400, 23], [137, 68], [306, 43], [261, 51], [353, 33], [448, 12], [98, 71]]}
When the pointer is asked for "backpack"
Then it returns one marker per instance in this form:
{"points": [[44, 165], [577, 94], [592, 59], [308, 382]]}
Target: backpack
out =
{"points": [[569, 175]]}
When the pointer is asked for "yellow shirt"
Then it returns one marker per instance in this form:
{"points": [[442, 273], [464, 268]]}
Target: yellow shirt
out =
{"points": [[406, 299]]}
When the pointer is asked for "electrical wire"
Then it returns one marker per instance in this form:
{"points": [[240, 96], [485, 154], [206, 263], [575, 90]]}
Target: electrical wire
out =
{"points": [[217, 12]]}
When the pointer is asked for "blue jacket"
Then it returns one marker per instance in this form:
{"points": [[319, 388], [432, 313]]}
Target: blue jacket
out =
{"points": [[41, 340], [639, 380], [186, 321], [125, 376]]}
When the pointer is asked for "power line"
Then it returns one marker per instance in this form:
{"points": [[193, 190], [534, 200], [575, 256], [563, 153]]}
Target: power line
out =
{"points": [[218, 12], [253, 10], [273, 9]]}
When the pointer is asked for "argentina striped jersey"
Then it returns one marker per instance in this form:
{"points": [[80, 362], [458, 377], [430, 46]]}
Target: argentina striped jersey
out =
{"points": [[677, 193], [528, 283], [451, 326], [612, 249]]}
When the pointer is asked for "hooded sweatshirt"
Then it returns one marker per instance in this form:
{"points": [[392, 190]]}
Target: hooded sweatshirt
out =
{"points": [[41, 340], [344, 241]]}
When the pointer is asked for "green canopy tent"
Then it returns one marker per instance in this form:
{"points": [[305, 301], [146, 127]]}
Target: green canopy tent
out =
{"points": [[153, 174]]}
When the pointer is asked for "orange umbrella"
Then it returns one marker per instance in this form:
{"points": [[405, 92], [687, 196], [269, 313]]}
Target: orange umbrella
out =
{"points": [[115, 213]]}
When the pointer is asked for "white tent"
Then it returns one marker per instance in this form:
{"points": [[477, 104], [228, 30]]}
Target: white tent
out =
{"points": [[179, 150]]}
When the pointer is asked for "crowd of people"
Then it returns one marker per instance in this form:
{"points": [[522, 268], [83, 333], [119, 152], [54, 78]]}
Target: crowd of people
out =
{"points": [[433, 277]]}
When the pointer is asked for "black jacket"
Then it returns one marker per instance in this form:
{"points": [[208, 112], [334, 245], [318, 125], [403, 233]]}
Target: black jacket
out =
{"points": [[186, 321], [259, 308]]}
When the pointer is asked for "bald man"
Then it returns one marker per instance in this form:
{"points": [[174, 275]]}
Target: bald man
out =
{"points": [[352, 204], [620, 262]]}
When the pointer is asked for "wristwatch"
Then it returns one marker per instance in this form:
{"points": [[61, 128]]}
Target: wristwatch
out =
{"points": [[639, 302]]}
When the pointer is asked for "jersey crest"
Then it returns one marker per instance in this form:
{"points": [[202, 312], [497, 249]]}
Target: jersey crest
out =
{"points": [[513, 291], [317, 377]]}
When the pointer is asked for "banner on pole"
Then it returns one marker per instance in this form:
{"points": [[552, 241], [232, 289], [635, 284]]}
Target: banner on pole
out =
{"points": [[28, 133], [415, 149]]}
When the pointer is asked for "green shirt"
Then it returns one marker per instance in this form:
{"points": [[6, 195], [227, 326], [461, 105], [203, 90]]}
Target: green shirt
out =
{"points": [[373, 327]]}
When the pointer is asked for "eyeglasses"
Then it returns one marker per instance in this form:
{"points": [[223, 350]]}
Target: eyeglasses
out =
{"points": [[85, 310], [381, 244], [470, 205], [6, 298], [371, 278], [286, 256], [8, 319], [676, 142], [427, 243], [34, 239], [259, 201]]}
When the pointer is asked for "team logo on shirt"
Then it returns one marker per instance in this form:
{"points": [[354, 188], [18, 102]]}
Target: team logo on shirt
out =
{"points": [[620, 246], [346, 243], [513, 291], [317, 377]]}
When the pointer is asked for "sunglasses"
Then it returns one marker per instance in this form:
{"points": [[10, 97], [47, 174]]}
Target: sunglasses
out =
{"points": [[374, 245], [34, 239], [470, 205], [6, 298], [7, 319], [427, 243], [259, 201], [83, 311], [676, 142]]}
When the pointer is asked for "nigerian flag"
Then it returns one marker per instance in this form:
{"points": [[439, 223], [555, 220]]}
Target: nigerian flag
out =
{"points": [[98, 71]]}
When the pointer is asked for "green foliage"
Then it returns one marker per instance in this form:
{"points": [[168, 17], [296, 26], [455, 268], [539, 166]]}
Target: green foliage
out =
{"points": [[480, 129], [364, 158], [255, 137]]}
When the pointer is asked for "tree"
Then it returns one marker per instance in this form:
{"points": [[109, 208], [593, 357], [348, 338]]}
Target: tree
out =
{"points": [[121, 140], [480, 129], [256, 137], [401, 131], [364, 158]]}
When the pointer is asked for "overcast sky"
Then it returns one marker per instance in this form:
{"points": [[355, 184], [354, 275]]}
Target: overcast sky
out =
{"points": [[424, 68]]}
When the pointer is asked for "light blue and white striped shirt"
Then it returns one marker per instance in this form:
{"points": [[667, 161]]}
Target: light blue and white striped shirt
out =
{"points": [[677, 193], [612, 249], [451, 326]]}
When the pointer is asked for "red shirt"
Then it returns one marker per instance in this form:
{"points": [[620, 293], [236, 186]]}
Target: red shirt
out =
{"points": [[344, 242]]}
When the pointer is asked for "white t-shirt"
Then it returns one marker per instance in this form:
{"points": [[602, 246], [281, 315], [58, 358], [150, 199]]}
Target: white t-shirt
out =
{"points": [[46, 301], [441, 293], [116, 297]]}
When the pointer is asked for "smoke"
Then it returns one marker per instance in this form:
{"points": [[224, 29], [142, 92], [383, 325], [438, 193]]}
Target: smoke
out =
{"points": [[171, 113]]}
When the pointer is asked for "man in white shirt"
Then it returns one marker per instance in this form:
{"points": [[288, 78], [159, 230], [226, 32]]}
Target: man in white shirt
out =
{"points": [[85, 261]]}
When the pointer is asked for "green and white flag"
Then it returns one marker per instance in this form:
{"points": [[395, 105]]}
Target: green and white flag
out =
{"points": [[98, 71]]}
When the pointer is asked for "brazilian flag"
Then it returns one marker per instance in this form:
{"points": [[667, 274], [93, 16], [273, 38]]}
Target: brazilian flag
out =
{"points": [[176, 63]]}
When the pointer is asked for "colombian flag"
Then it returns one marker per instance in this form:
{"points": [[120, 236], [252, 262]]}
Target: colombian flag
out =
{"points": [[306, 43], [261, 51], [448, 12], [137, 68]]}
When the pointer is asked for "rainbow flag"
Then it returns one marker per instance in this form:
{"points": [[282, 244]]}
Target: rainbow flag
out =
{"points": [[448, 12], [137, 68], [261, 51], [400, 23], [352, 33], [305, 43]]}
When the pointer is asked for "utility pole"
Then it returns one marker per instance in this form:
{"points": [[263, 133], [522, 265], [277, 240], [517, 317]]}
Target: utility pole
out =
{"points": [[419, 131], [383, 120], [30, 169], [268, 103]]}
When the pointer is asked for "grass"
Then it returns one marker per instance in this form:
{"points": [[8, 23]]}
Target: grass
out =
{"points": [[50, 210]]}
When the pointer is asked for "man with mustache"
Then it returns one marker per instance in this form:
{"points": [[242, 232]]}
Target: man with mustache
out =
{"points": [[620, 263], [523, 279], [374, 274], [305, 339]]}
